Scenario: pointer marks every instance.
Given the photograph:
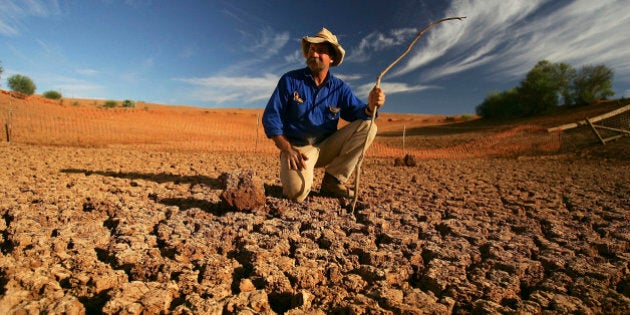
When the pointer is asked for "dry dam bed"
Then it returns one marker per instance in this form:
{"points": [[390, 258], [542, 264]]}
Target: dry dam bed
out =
{"points": [[107, 230]]}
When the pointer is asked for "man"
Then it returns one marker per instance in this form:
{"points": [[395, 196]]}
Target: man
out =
{"points": [[301, 118]]}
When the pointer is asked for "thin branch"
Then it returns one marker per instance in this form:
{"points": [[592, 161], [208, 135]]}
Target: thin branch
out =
{"points": [[413, 42], [378, 84]]}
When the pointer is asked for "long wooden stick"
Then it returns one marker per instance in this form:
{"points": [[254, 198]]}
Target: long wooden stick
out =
{"points": [[592, 119], [378, 84]]}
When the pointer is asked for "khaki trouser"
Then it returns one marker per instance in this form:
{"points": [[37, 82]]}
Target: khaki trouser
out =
{"points": [[339, 154]]}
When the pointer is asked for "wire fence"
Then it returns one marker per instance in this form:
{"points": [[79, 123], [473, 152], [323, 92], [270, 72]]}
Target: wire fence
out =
{"points": [[29, 122]]}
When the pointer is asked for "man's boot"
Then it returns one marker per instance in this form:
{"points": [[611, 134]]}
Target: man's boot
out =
{"points": [[331, 186]]}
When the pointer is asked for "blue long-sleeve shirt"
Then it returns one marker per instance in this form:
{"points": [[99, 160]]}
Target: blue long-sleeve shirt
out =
{"points": [[304, 113]]}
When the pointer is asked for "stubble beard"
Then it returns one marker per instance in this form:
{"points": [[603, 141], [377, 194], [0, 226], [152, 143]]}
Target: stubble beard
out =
{"points": [[315, 65]]}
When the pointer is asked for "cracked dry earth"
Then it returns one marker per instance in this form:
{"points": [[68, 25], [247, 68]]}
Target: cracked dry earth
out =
{"points": [[123, 231]]}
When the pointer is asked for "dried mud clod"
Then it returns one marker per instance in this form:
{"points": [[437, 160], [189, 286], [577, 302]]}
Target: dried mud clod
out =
{"points": [[244, 191], [408, 160]]}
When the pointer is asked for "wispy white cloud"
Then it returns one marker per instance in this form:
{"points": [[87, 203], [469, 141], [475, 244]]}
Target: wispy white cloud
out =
{"points": [[221, 89], [295, 57], [51, 50], [88, 72], [231, 86], [148, 63], [80, 90], [349, 77], [188, 51], [13, 11], [392, 88], [266, 43], [68, 85], [508, 37], [471, 41], [6, 29], [377, 41], [263, 47]]}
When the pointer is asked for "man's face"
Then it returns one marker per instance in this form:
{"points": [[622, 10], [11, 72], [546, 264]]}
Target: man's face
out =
{"points": [[319, 57]]}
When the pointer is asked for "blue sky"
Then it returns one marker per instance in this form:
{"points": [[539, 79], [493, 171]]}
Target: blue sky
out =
{"points": [[227, 54]]}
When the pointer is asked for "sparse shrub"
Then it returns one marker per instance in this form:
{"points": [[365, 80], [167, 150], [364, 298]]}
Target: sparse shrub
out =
{"points": [[75, 103], [593, 83], [500, 105], [466, 117], [539, 92], [21, 84], [53, 95], [110, 104], [129, 104]]}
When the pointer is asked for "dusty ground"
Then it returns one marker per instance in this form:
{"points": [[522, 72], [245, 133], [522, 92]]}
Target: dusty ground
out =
{"points": [[109, 220], [120, 230]]}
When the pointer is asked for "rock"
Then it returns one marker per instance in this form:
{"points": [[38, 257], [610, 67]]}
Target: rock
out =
{"points": [[69, 305], [441, 274], [196, 304], [141, 297], [489, 307], [302, 300], [244, 191], [246, 285], [408, 160], [254, 302]]}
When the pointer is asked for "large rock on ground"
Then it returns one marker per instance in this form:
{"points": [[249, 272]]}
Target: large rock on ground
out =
{"points": [[244, 191], [408, 160]]}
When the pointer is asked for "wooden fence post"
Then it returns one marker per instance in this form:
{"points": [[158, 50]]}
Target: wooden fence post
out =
{"points": [[257, 123], [403, 139], [8, 126]]}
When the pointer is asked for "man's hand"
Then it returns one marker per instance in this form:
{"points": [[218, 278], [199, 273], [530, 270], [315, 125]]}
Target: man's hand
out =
{"points": [[376, 99], [295, 159]]}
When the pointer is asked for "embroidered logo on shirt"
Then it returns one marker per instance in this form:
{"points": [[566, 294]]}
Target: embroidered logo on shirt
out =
{"points": [[297, 98]]}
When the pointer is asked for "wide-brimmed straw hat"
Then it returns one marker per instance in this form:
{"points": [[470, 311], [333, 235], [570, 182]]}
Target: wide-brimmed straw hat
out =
{"points": [[324, 36]]}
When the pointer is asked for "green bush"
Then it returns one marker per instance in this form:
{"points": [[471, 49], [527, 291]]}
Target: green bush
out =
{"points": [[542, 87], [500, 105], [110, 104], [593, 83], [53, 95], [21, 84], [540, 90], [129, 104]]}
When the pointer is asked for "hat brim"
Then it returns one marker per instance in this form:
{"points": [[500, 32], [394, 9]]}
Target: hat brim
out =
{"points": [[339, 51]]}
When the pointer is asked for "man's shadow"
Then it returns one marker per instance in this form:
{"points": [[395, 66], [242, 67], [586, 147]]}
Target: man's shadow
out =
{"points": [[216, 208], [213, 183]]}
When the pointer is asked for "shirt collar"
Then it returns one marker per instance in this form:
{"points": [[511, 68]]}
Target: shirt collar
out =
{"points": [[307, 73]]}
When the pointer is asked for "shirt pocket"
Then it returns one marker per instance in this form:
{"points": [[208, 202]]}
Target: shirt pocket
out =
{"points": [[332, 112], [296, 98]]}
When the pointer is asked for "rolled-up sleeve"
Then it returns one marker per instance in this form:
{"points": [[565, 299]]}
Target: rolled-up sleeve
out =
{"points": [[354, 107], [272, 119]]}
